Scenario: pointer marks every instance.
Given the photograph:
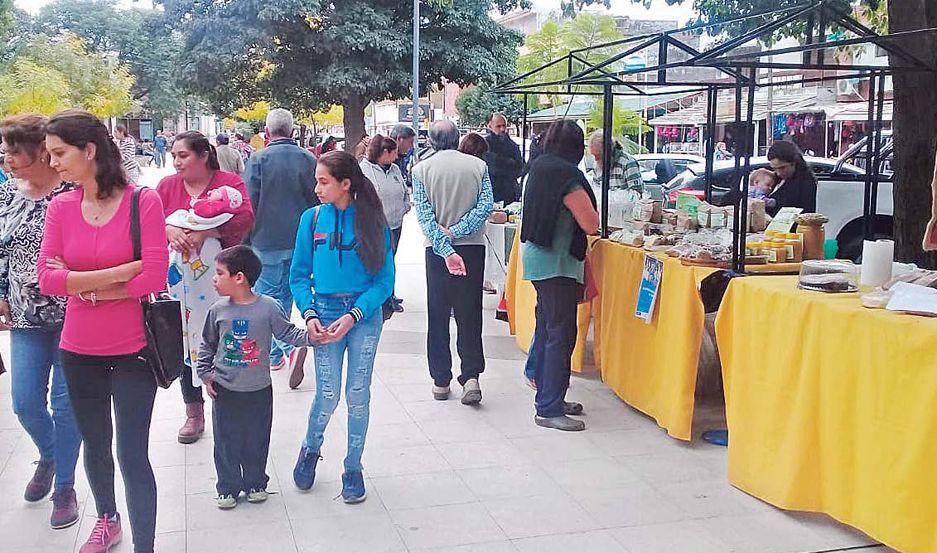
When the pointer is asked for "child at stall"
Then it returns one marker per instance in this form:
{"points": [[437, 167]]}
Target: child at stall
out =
{"points": [[234, 365], [761, 183]]}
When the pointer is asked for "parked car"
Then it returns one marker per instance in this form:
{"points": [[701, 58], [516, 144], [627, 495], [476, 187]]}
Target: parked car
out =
{"points": [[840, 196], [659, 169]]}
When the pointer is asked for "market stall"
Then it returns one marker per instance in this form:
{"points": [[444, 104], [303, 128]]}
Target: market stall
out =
{"points": [[830, 408]]}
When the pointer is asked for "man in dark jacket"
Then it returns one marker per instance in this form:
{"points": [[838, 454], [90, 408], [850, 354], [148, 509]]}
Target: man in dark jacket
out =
{"points": [[505, 163], [281, 181]]}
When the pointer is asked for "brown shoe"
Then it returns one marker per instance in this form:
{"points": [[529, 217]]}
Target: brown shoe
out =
{"points": [[297, 360], [194, 425]]}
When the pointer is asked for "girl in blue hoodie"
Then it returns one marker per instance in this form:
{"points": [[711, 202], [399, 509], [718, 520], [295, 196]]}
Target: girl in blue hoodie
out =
{"points": [[342, 271]]}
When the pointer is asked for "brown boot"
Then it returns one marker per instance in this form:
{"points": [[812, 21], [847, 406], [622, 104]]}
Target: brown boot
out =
{"points": [[194, 425]]}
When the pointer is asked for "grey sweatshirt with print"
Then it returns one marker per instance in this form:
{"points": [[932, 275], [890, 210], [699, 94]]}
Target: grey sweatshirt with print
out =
{"points": [[236, 341]]}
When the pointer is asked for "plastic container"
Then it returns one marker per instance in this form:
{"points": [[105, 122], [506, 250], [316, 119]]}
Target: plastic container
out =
{"points": [[831, 276]]}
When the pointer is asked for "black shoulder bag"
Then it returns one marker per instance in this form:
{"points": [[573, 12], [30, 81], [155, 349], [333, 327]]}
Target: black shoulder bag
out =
{"points": [[162, 319]]}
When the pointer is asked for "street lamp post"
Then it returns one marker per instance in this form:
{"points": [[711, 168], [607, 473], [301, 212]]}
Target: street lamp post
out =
{"points": [[416, 70]]}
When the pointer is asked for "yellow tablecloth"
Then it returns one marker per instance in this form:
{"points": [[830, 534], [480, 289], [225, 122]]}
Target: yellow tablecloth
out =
{"points": [[521, 300], [832, 408], [652, 366]]}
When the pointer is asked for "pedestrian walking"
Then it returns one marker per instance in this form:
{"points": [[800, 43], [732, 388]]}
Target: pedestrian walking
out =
{"points": [[384, 174], [281, 182], [228, 158], [453, 199], [505, 163], [128, 153], [160, 145], [405, 137], [193, 250], [242, 147], [35, 319], [87, 254], [559, 211], [343, 252], [233, 364]]}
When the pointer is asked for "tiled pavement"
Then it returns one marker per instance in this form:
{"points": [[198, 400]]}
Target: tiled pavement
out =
{"points": [[442, 477]]}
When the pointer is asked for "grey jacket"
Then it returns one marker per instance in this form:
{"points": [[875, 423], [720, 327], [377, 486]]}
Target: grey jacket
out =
{"points": [[281, 181], [229, 159], [391, 188]]}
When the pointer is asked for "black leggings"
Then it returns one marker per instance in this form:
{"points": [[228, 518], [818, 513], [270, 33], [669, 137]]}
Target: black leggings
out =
{"points": [[92, 383], [190, 392]]}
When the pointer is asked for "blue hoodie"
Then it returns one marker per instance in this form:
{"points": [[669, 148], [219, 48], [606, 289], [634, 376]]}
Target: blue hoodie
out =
{"points": [[325, 259]]}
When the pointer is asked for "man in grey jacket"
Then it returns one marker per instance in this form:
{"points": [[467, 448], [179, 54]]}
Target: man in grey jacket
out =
{"points": [[281, 181]]}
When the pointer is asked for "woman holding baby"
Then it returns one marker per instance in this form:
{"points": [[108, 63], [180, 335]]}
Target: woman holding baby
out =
{"points": [[206, 209]]}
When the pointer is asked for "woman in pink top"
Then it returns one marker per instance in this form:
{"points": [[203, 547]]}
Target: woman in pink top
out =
{"points": [[197, 173], [87, 255]]}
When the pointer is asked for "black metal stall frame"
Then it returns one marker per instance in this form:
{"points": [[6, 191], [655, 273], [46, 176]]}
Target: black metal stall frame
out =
{"points": [[739, 71]]}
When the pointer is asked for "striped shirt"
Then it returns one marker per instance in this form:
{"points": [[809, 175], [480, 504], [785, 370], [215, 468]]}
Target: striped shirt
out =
{"points": [[625, 173], [128, 153]]}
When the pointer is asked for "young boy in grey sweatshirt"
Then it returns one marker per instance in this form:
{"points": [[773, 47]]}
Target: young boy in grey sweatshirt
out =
{"points": [[234, 364]]}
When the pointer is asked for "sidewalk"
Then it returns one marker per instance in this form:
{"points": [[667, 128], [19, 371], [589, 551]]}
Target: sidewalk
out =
{"points": [[440, 476]]}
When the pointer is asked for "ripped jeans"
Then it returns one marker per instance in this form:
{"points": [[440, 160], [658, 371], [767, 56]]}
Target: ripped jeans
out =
{"points": [[361, 344]]}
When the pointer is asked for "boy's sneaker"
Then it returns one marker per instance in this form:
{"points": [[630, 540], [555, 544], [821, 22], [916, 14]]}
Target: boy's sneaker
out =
{"points": [[304, 473], [64, 508], [105, 535], [440, 393], [279, 364], [226, 501], [257, 496], [353, 487], [40, 484]]}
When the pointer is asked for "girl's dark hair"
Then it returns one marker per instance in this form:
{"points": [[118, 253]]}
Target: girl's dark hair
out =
{"points": [[198, 143], [370, 222], [24, 133], [474, 144], [79, 128], [380, 144], [565, 139], [788, 152]]}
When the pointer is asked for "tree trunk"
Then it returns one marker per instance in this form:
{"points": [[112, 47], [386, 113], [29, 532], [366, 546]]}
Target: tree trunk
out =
{"points": [[353, 119], [914, 125]]}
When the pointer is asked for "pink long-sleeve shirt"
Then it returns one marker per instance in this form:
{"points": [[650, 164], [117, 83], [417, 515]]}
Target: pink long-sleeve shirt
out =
{"points": [[110, 327]]}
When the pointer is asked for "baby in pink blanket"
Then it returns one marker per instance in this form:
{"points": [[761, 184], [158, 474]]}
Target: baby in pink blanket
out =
{"points": [[218, 208]]}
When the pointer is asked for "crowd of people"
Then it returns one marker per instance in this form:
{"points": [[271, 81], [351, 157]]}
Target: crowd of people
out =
{"points": [[239, 241]]}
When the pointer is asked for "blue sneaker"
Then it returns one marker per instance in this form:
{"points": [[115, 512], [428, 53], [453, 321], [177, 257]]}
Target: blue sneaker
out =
{"points": [[353, 487], [304, 473]]}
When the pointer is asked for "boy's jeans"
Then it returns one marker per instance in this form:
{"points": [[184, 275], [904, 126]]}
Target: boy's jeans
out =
{"points": [[361, 343], [274, 281], [242, 423], [34, 354]]}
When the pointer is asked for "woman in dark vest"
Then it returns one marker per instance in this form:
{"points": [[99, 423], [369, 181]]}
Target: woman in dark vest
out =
{"points": [[559, 211]]}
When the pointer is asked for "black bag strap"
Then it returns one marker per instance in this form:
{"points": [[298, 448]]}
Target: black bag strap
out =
{"points": [[135, 223]]}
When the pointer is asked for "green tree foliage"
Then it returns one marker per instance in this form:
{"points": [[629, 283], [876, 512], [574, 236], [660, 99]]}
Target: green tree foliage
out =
{"points": [[310, 54], [555, 40], [140, 38], [51, 74], [476, 104], [624, 121]]}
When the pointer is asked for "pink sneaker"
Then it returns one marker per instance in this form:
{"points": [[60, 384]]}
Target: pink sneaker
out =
{"points": [[105, 535]]}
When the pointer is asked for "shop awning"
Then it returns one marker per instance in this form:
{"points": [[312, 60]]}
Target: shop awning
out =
{"points": [[859, 111], [802, 100]]}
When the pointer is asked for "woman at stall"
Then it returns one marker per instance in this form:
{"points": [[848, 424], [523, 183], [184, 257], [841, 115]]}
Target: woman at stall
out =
{"points": [[385, 175], [87, 254], [34, 319], [797, 186], [342, 271], [198, 173], [559, 212]]}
